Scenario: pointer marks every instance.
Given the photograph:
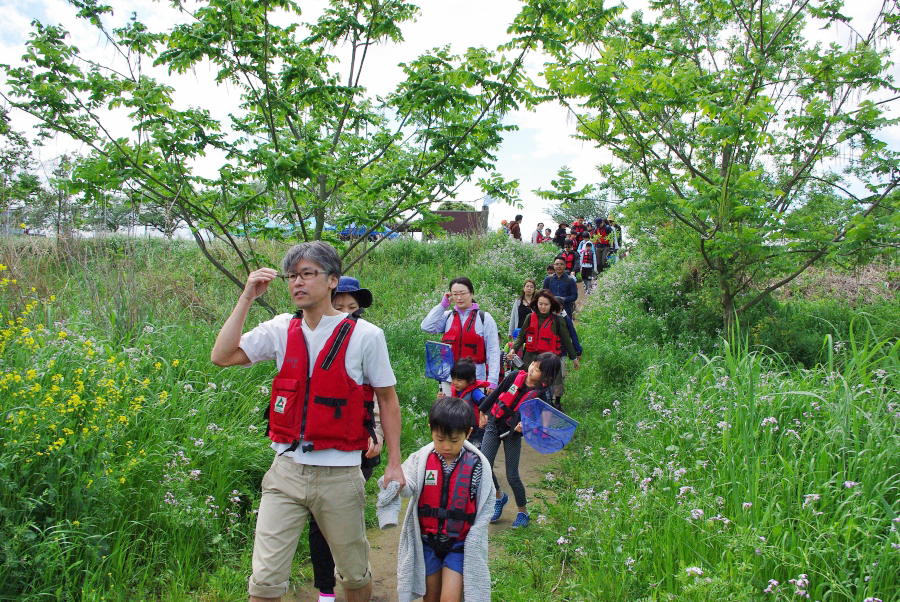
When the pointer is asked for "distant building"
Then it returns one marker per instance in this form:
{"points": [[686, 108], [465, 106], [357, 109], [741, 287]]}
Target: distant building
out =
{"points": [[465, 222]]}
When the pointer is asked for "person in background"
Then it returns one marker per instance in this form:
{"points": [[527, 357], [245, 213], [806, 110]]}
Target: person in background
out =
{"points": [[578, 226], [546, 330], [521, 306], [562, 285], [537, 237], [588, 261], [351, 299], [571, 259], [559, 387], [548, 236], [515, 230], [470, 331], [324, 448], [559, 237]]}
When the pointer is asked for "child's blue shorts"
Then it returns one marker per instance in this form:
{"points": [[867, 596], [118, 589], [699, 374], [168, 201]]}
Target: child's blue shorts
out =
{"points": [[453, 560]]}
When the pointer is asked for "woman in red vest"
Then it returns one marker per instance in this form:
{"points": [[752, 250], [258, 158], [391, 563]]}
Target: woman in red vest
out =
{"points": [[470, 331]]}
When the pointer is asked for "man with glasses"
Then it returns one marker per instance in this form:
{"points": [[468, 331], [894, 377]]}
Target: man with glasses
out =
{"points": [[330, 364]]}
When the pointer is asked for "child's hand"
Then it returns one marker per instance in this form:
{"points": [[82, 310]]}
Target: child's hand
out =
{"points": [[510, 355], [374, 449], [519, 428], [482, 420], [441, 394], [576, 362]]}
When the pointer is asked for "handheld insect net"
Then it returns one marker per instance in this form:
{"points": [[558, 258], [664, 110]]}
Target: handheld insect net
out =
{"points": [[438, 361], [545, 428]]}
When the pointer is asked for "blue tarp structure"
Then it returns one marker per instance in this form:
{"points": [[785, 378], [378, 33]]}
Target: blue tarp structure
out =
{"points": [[354, 231], [286, 229]]}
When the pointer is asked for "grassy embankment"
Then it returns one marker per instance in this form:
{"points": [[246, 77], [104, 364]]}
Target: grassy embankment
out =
{"points": [[130, 465], [709, 470]]}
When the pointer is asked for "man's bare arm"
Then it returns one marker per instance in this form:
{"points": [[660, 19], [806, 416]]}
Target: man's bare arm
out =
{"points": [[389, 405], [227, 349]]}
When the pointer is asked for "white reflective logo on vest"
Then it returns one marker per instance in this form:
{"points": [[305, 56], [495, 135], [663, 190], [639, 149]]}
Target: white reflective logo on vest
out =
{"points": [[280, 402], [431, 477], [513, 389]]}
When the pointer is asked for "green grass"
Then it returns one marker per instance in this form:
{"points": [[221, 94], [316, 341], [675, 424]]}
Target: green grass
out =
{"points": [[110, 404], [130, 465], [699, 476]]}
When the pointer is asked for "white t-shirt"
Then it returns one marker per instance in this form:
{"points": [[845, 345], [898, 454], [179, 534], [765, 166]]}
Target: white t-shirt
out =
{"points": [[367, 362]]}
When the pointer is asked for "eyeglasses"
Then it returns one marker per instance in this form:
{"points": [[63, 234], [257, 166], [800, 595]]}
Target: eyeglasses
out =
{"points": [[460, 294], [307, 274]]}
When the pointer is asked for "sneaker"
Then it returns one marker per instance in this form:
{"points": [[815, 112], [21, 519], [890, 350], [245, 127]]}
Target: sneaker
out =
{"points": [[498, 507], [326, 597], [522, 520]]}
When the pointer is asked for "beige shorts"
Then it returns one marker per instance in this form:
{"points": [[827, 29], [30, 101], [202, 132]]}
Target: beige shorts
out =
{"points": [[290, 491]]}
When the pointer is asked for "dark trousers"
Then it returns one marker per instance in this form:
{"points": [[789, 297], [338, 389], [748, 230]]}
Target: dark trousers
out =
{"points": [[512, 449]]}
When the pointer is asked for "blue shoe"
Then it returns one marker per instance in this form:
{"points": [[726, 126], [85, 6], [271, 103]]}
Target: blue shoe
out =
{"points": [[522, 520], [498, 507]]}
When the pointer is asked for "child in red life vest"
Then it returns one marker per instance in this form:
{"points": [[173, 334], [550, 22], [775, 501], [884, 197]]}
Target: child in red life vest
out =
{"points": [[464, 385], [501, 419], [444, 544]]}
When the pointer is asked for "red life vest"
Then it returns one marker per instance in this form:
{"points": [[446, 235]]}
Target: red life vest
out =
{"points": [[603, 235], [446, 506], [328, 409], [508, 401], [570, 259], [539, 337], [578, 228], [466, 394], [463, 340], [587, 258]]}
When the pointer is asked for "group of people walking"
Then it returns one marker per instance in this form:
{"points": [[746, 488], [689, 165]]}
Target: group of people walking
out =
{"points": [[333, 408]]}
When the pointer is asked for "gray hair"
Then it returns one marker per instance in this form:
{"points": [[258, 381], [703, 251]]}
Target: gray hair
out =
{"points": [[316, 251]]}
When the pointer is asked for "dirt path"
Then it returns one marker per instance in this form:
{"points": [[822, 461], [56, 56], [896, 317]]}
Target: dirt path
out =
{"points": [[532, 467]]}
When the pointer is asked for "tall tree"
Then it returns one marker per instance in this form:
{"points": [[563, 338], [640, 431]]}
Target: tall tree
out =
{"points": [[571, 202], [733, 125], [324, 147]]}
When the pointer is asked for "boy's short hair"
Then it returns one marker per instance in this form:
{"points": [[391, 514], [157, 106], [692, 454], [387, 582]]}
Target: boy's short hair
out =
{"points": [[451, 415], [463, 369]]}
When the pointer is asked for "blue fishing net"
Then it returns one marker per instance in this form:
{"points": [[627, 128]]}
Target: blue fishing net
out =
{"points": [[545, 428], [438, 361]]}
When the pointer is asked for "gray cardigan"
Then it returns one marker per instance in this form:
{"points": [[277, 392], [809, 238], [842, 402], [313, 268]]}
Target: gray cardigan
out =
{"points": [[411, 558]]}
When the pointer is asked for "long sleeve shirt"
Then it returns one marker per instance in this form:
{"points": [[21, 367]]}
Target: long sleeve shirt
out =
{"points": [[439, 320], [564, 287], [568, 346]]}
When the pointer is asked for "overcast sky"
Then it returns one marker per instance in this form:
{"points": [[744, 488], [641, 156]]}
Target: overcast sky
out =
{"points": [[532, 155]]}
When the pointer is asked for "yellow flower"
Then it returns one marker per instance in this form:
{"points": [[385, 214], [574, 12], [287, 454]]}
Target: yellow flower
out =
{"points": [[122, 480], [62, 334], [174, 363], [157, 366], [2, 267]]}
